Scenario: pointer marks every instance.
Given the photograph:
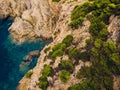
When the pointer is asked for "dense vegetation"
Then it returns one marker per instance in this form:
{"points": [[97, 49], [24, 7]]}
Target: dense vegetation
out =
{"points": [[55, 0], [104, 55], [59, 49], [100, 9], [66, 65], [47, 71], [64, 76]]}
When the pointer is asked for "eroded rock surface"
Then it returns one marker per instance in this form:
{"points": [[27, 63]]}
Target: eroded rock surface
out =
{"points": [[33, 19], [43, 18], [61, 31]]}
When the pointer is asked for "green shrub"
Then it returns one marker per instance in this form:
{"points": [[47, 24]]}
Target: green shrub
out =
{"points": [[61, 46], [47, 71], [107, 80], [84, 56], [96, 27], [115, 58], [75, 87], [97, 43], [67, 65], [103, 34], [28, 74], [73, 53], [79, 13], [57, 50], [55, 0], [115, 1], [95, 51], [89, 84], [43, 83], [74, 24], [56, 53], [84, 72], [109, 47], [68, 40], [64, 76]]}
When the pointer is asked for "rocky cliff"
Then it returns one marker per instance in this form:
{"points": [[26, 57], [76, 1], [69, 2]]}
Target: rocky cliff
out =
{"points": [[45, 19], [32, 19]]}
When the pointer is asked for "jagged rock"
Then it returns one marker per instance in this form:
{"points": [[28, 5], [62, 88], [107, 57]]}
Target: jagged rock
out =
{"points": [[114, 28], [116, 84], [31, 55], [33, 19]]}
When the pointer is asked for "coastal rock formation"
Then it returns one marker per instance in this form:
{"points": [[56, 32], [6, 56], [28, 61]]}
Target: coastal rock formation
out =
{"points": [[45, 19], [114, 28], [60, 32], [34, 19]]}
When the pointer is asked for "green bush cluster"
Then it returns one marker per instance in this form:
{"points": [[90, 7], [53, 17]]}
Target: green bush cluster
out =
{"points": [[110, 47], [68, 40], [64, 76], [59, 49], [79, 13], [86, 85], [84, 56], [104, 55], [84, 72], [47, 71], [72, 53], [66, 65], [100, 9], [43, 83], [55, 0], [77, 55]]}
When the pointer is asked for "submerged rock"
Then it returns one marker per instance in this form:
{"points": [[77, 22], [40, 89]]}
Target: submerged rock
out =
{"points": [[30, 55]]}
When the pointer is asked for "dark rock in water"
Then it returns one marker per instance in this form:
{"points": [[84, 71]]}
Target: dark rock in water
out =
{"points": [[31, 55]]}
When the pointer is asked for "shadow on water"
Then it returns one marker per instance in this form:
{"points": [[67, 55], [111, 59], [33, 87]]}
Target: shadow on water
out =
{"points": [[11, 56]]}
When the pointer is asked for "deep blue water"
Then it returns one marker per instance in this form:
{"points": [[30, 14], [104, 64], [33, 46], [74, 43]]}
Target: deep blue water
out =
{"points": [[11, 57]]}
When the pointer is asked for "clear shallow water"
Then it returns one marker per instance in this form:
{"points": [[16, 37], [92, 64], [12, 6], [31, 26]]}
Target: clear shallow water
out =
{"points": [[11, 56]]}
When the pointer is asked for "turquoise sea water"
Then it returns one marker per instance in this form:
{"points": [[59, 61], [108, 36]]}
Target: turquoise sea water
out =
{"points": [[11, 57]]}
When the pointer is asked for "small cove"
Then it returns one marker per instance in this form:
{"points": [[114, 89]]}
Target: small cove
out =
{"points": [[11, 57]]}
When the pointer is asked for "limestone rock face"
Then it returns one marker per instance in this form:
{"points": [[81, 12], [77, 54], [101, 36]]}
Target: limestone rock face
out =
{"points": [[11, 8], [114, 28], [33, 19], [61, 31], [116, 84]]}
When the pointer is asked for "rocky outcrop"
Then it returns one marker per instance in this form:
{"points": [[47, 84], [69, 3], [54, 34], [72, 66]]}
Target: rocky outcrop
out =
{"points": [[114, 28], [61, 31], [31, 55], [116, 84], [33, 19]]}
